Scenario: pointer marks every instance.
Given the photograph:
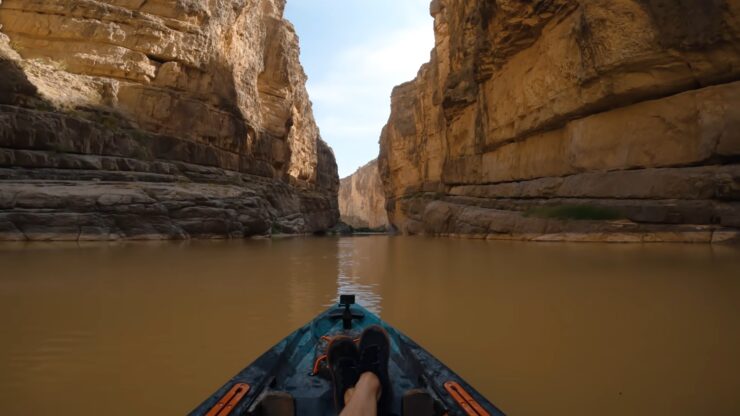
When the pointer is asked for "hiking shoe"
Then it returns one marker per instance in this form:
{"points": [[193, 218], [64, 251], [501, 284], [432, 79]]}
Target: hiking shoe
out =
{"points": [[375, 351], [343, 358]]}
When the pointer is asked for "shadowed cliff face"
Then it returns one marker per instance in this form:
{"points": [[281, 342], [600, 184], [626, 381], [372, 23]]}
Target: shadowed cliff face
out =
{"points": [[200, 108], [531, 115], [687, 24]]}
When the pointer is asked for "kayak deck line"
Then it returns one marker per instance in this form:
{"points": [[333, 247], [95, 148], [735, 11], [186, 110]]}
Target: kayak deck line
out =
{"points": [[293, 378]]}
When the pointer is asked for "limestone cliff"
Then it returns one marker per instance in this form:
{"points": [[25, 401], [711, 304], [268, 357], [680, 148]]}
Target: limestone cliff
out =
{"points": [[157, 119], [362, 198], [571, 120]]}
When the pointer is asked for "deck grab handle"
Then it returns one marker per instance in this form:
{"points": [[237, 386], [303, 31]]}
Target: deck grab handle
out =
{"points": [[227, 403], [465, 400]]}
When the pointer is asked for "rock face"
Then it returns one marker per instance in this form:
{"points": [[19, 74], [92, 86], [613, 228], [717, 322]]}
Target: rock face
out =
{"points": [[628, 106], [157, 119], [362, 198]]}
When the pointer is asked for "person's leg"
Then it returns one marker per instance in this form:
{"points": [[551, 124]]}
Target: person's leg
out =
{"points": [[375, 351], [362, 400]]}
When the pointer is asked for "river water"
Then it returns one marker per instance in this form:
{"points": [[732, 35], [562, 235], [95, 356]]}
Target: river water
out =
{"points": [[540, 329]]}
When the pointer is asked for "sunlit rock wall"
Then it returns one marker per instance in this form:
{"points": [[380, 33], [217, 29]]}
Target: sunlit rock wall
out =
{"points": [[362, 198], [630, 107], [157, 119]]}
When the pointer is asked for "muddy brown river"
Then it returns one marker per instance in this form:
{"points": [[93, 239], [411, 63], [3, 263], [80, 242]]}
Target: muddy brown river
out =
{"points": [[540, 329]]}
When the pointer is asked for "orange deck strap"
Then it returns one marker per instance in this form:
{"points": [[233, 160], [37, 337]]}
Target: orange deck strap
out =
{"points": [[317, 363], [230, 400], [465, 400]]}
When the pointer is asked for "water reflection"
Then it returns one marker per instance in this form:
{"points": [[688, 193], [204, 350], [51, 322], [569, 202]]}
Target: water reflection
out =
{"points": [[354, 276], [539, 328]]}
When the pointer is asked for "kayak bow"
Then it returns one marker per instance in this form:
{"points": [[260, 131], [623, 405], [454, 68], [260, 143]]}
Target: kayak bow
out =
{"points": [[292, 377]]}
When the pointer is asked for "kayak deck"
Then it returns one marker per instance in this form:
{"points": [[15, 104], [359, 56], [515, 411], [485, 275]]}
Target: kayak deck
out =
{"points": [[291, 378]]}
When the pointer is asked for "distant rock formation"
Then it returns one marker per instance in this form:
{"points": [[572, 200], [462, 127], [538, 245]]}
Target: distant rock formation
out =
{"points": [[362, 199], [157, 119], [554, 120]]}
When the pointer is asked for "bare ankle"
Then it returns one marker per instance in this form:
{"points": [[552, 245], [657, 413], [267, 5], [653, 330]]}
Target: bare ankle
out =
{"points": [[372, 382]]}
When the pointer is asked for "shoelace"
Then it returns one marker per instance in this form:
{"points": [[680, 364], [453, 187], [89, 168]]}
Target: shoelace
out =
{"points": [[347, 369], [346, 363], [370, 356]]}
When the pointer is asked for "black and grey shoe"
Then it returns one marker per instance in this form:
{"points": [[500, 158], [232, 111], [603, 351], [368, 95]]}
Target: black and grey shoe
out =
{"points": [[375, 351], [343, 358]]}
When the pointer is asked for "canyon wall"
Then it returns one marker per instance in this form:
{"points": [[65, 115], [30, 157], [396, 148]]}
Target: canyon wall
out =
{"points": [[157, 119], [588, 120], [362, 198]]}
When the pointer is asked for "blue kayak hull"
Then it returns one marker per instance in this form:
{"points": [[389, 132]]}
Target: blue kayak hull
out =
{"points": [[289, 367]]}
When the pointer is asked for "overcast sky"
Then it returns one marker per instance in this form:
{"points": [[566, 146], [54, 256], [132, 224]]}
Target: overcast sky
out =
{"points": [[355, 52]]}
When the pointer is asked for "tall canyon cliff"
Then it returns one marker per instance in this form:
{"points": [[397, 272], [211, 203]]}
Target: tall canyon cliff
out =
{"points": [[587, 120], [362, 198], [157, 119]]}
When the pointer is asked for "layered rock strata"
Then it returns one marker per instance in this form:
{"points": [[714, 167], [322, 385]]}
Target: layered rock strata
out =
{"points": [[362, 198], [628, 106], [157, 119]]}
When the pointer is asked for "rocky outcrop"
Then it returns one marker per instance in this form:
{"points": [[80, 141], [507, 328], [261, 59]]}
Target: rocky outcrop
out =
{"points": [[623, 113], [362, 198], [157, 119]]}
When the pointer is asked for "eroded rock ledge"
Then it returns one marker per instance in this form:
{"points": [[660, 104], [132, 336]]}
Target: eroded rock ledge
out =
{"points": [[157, 119], [624, 108]]}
